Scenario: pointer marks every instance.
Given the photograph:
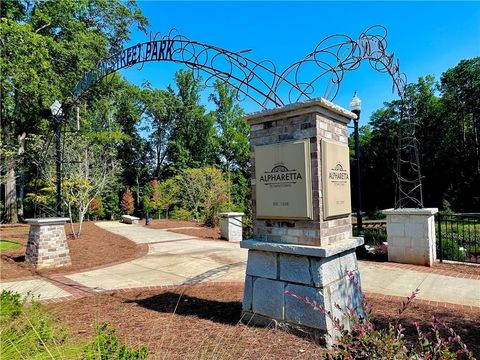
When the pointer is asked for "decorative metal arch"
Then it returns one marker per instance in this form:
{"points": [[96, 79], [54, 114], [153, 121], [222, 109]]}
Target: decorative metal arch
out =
{"points": [[260, 81]]}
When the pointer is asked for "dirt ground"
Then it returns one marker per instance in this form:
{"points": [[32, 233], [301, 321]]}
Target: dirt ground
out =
{"points": [[201, 231], [188, 322], [95, 247]]}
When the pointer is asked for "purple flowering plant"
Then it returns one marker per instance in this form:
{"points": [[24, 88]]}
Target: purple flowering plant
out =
{"points": [[359, 338]]}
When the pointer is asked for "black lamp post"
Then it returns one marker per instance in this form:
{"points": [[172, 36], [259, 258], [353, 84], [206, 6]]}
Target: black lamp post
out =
{"points": [[57, 113], [355, 107]]}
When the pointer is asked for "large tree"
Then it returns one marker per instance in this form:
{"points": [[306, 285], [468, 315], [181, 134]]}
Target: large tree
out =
{"points": [[46, 47]]}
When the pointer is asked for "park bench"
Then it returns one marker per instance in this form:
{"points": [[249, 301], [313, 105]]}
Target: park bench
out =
{"points": [[128, 219]]}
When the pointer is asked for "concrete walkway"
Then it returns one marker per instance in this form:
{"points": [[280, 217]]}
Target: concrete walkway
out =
{"points": [[175, 259]]}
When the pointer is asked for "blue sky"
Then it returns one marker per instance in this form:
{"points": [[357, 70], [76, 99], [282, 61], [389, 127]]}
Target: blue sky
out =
{"points": [[427, 37]]}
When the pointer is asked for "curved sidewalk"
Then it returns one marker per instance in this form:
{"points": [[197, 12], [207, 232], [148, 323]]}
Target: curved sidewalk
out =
{"points": [[176, 259]]}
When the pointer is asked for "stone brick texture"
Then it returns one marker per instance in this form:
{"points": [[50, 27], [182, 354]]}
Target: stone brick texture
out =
{"points": [[330, 282], [314, 126], [47, 246], [411, 239], [231, 228]]}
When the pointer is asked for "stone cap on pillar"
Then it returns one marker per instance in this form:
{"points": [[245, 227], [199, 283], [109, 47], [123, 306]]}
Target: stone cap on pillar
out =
{"points": [[298, 108], [306, 250], [411, 211], [230, 214], [48, 221]]}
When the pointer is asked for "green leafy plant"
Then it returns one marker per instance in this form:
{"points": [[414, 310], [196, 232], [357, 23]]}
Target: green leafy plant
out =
{"points": [[29, 331], [106, 346], [181, 214], [451, 250]]}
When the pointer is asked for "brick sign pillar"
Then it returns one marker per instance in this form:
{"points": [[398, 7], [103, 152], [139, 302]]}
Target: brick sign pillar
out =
{"points": [[47, 245], [302, 242]]}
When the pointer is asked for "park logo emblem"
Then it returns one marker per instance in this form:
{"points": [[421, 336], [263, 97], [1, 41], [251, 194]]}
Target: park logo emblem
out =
{"points": [[280, 176]]}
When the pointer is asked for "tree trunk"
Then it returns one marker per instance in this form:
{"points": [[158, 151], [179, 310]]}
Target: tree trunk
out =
{"points": [[11, 193], [81, 216], [21, 175], [71, 221]]}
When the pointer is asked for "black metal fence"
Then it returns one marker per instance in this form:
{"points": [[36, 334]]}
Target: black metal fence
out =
{"points": [[458, 237]]}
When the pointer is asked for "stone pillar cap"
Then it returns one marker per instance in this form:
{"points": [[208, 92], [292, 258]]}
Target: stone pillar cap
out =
{"points": [[305, 250], [411, 211], [231, 214], [301, 107], [47, 221]]}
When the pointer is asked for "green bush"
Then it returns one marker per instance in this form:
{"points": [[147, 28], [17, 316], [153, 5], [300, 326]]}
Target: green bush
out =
{"points": [[29, 331], [181, 214], [374, 236], [10, 305], [451, 251], [106, 346]]}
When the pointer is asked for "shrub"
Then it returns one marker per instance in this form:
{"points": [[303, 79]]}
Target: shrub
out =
{"points": [[10, 305], [127, 203], [364, 341], [29, 331], [374, 236], [96, 208], [106, 346], [451, 250], [204, 192], [181, 214]]}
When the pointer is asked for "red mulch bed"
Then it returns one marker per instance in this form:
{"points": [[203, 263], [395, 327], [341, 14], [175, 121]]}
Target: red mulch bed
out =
{"points": [[200, 231], [207, 321], [95, 247], [458, 268], [472, 269], [169, 224]]}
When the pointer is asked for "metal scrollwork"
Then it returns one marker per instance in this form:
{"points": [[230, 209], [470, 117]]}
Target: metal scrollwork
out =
{"points": [[260, 81]]}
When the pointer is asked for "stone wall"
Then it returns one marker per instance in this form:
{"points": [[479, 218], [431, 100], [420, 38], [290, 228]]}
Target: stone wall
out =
{"points": [[47, 245], [315, 124], [273, 277]]}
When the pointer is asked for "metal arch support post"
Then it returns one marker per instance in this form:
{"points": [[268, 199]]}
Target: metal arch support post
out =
{"points": [[58, 162], [357, 171]]}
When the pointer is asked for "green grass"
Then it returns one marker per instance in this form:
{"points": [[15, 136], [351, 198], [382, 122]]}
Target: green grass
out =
{"points": [[8, 245], [29, 331]]}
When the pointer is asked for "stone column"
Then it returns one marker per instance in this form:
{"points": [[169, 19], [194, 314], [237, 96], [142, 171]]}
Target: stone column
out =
{"points": [[302, 242], [47, 245], [231, 228], [411, 236]]}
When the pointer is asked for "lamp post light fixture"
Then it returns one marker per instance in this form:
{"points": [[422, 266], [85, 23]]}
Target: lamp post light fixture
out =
{"points": [[57, 113], [356, 107]]}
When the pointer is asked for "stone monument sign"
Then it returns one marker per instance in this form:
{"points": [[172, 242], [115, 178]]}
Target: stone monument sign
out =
{"points": [[302, 232]]}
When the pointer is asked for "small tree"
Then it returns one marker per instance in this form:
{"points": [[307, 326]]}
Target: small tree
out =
{"points": [[127, 203], [87, 167], [204, 192], [96, 208], [164, 195]]}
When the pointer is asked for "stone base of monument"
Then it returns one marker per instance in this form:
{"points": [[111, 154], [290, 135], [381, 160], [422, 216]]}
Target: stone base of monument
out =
{"points": [[411, 235], [325, 275], [47, 245]]}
